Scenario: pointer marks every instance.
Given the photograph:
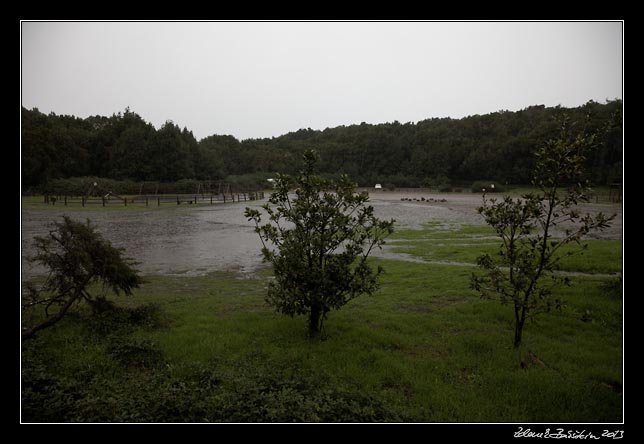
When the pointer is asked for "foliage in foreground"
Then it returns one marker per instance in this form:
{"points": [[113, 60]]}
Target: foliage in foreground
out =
{"points": [[130, 380], [76, 257], [529, 253], [322, 237], [425, 349]]}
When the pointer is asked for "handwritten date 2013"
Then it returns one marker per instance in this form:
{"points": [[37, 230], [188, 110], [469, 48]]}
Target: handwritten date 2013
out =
{"points": [[568, 434]]}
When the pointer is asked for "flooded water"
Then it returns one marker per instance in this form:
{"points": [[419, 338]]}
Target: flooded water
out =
{"points": [[170, 240], [198, 240]]}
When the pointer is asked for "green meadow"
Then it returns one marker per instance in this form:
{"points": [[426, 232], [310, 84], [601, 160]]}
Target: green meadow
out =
{"points": [[424, 348], [438, 242]]}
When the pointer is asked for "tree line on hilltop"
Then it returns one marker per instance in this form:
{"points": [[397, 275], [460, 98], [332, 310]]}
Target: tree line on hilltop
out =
{"points": [[499, 146]]}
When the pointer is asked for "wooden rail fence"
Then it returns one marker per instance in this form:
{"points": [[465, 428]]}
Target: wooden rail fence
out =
{"points": [[158, 200]]}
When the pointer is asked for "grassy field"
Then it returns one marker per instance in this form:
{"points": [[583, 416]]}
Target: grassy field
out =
{"points": [[37, 203], [465, 243], [423, 349]]}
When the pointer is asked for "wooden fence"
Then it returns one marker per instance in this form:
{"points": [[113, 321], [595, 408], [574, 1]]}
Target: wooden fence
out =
{"points": [[153, 200]]}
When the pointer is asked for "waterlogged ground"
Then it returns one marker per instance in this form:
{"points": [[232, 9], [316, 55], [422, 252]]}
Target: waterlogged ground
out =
{"points": [[196, 240], [164, 240], [194, 346]]}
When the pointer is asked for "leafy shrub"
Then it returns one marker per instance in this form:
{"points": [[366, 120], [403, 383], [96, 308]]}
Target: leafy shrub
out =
{"points": [[76, 256], [77, 186], [135, 353], [183, 186], [250, 390], [101, 305], [109, 319], [264, 391], [249, 182], [336, 270]]}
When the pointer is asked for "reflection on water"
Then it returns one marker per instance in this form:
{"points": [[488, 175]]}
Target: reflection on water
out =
{"points": [[199, 240], [166, 241], [179, 240]]}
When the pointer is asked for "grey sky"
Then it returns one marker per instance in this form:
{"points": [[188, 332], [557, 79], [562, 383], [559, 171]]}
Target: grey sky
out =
{"points": [[265, 79]]}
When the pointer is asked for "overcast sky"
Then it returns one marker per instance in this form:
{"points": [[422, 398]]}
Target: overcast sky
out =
{"points": [[265, 79]]}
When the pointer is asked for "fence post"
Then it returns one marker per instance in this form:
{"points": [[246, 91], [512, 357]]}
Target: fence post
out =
{"points": [[178, 200], [158, 201], [103, 199], [65, 200], [82, 201], [224, 198], [125, 200], [146, 201], [210, 198]]}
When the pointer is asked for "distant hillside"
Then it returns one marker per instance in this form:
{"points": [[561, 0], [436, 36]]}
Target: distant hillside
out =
{"points": [[497, 146]]}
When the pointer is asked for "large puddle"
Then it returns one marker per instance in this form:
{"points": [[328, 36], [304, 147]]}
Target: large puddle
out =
{"points": [[176, 240], [198, 240]]}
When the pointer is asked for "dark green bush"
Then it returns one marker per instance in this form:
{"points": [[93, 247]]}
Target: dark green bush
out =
{"points": [[264, 391], [250, 390], [109, 319], [80, 186], [128, 379], [249, 182], [135, 353]]}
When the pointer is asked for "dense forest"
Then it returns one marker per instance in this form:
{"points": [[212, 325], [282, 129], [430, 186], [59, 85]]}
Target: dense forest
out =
{"points": [[498, 146]]}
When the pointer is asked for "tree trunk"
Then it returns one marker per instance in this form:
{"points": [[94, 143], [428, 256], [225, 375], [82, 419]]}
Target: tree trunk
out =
{"points": [[518, 330], [518, 327], [30, 332], [314, 321]]}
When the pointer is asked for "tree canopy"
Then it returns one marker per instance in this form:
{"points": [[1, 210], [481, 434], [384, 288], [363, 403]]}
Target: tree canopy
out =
{"points": [[76, 257], [318, 239], [498, 146], [523, 272]]}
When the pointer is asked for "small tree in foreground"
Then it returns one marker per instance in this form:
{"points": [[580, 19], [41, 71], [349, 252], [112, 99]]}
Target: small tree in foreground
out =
{"points": [[318, 239], [76, 256], [530, 252]]}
